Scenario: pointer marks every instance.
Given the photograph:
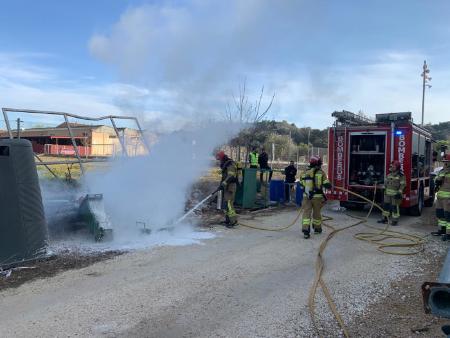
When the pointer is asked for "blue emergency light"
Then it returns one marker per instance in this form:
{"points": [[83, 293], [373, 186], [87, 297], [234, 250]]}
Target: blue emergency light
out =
{"points": [[398, 132]]}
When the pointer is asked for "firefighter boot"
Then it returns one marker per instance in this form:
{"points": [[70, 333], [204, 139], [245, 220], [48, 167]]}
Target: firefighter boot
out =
{"points": [[445, 237], [227, 220], [318, 231], [384, 220], [394, 222], [306, 234], [440, 232], [230, 222]]}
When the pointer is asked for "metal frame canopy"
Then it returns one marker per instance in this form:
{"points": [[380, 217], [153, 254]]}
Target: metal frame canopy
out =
{"points": [[66, 116]]}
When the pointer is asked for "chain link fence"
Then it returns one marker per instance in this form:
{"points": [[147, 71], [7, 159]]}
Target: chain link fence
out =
{"points": [[280, 155]]}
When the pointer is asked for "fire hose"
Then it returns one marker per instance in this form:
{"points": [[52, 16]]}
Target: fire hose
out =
{"points": [[378, 238], [396, 239]]}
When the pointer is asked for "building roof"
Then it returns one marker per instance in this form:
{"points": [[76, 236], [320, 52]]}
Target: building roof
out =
{"points": [[61, 131], [79, 125]]}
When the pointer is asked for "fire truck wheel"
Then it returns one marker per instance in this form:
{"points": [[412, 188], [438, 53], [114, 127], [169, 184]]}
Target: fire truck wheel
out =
{"points": [[417, 209]]}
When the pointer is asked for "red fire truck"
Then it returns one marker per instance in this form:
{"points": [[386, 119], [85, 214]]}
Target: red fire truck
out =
{"points": [[360, 151]]}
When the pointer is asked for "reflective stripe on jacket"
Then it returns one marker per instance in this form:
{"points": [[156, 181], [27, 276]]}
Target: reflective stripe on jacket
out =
{"points": [[443, 181], [395, 183], [229, 172], [314, 182]]}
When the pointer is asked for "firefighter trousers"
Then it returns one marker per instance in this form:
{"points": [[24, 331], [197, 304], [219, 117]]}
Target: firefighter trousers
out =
{"points": [[391, 206], [228, 196], [443, 213], [312, 207]]}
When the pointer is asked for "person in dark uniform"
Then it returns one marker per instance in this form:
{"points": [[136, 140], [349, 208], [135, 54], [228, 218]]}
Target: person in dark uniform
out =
{"points": [[263, 161], [290, 172]]}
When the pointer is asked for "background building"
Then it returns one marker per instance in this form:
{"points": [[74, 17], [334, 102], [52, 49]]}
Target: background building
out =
{"points": [[92, 140]]}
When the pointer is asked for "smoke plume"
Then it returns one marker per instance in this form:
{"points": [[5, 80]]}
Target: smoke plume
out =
{"points": [[153, 189]]}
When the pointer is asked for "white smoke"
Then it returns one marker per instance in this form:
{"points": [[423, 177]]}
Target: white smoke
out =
{"points": [[153, 189], [186, 60], [191, 56]]}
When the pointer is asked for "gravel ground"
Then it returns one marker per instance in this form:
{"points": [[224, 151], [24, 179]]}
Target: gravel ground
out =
{"points": [[405, 316], [51, 266], [242, 283]]}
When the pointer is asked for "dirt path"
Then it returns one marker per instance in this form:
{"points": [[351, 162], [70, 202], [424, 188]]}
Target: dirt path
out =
{"points": [[243, 283]]}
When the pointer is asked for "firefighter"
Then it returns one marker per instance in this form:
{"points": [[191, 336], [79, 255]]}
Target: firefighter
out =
{"points": [[313, 181], [253, 158], [442, 184], [393, 193], [228, 184]]}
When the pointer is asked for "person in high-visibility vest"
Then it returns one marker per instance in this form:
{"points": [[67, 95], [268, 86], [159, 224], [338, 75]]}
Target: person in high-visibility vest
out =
{"points": [[253, 158], [393, 193], [442, 184], [228, 184], [313, 181]]}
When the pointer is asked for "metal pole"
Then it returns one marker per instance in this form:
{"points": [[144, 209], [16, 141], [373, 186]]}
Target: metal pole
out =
{"points": [[273, 152], [425, 80], [423, 89], [142, 135], [309, 134], [5, 116], [74, 143], [45, 165], [18, 128], [71, 162], [32, 111], [392, 141], [122, 143]]}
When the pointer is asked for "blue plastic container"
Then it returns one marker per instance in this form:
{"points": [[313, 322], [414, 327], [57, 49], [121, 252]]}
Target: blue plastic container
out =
{"points": [[298, 194], [276, 191]]}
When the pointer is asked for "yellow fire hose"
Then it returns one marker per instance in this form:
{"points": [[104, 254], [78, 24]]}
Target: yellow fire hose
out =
{"points": [[396, 239]]}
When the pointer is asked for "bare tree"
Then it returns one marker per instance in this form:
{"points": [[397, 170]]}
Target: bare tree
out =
{"points": [[241, 110]]}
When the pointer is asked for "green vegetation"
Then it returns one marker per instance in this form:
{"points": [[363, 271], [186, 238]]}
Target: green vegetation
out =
{"points": [[260, 133], [287, 137], [69, 172], [290, 139], [440, 131]]}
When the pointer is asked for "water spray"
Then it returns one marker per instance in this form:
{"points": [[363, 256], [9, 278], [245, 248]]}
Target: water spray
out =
{"points": [[198, 205]]}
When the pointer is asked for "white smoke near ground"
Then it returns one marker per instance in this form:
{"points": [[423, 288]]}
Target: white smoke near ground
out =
{"points": [[187, 58], [151, 191], [139, 193]]}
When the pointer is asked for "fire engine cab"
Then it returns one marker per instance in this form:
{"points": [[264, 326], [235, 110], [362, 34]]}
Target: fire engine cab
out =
{"points": [[360, 151]]}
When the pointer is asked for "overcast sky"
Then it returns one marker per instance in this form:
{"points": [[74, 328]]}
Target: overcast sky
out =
{"points": [[172, 61]]}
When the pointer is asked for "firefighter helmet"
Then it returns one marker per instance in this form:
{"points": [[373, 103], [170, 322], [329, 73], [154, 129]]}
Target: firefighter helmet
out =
{"points": [[396, 165], [220, 155], [315, 161]]}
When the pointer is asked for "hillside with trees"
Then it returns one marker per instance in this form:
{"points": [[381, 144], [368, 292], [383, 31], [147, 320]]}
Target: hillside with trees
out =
{"points": [[290, 140], [440, 131]]}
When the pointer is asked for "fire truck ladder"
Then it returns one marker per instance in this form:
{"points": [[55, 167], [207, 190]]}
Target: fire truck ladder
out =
{"points": [[351, 119]]}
